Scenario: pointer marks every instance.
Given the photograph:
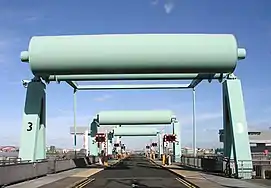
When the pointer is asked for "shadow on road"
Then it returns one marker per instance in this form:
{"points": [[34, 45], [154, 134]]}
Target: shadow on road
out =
{"points": [[149, 166], [134, 183], [119, 166]]}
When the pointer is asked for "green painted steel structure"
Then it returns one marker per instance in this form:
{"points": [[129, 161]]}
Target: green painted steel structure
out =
{"points": [[132, 131], [126, 120], [33, 129], [144, 56], [236, 144], [141, 53], [100, 77], [135, 117]]}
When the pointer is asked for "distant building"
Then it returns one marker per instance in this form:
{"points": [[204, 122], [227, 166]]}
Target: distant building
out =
{"points": [[260, 141]]}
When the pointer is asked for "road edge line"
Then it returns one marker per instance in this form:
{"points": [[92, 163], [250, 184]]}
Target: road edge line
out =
{"points": [[79, 182], [179, 175]]}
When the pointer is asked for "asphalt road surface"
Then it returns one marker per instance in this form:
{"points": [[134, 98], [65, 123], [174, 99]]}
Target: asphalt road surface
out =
{"points": [[135, 171]]}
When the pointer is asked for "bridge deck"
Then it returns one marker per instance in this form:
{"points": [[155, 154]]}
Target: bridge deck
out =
{"points": [[202, 179], [135, 171]]}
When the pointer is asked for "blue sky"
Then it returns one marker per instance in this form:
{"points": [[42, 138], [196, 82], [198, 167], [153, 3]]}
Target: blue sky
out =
{"points": [[249, 21]]}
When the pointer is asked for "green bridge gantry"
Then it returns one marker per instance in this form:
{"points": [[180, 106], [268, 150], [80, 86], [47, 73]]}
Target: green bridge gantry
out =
{"points": [[136, 57]]}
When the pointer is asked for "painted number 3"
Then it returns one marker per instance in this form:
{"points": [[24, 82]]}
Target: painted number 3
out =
{"points": [[30, 124]]}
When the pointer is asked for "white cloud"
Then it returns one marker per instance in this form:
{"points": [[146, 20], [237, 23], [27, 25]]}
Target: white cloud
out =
{"points": [[168, 6], [103, 98], [32, 18], [155, 2]]}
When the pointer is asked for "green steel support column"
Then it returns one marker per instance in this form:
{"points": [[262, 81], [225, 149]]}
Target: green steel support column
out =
{"points": [[74, 120], [160, 143], [228, 137], [31, 129], [226, 125], [232, 90], [41, 140], [110, 143], [194, 125], [93, 147], [177, 152], [110, 147], [135, 131]]}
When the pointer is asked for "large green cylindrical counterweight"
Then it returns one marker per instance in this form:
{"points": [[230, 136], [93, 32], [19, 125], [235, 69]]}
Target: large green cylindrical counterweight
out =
{"points": [[133, 54], [135, 117], [132, 131]]}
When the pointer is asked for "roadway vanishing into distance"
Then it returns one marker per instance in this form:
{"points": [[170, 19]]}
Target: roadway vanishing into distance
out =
{"points": [[135, 171]]}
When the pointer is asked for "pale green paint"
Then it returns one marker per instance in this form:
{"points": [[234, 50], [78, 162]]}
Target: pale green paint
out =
{"points": [[99, 77], [93, 130], [132, 131], [160, 144], [133, 86], [134, 53], [33, 142], [177, 151], [41, 140], [93, 147], [135, 117], [236, 123]]}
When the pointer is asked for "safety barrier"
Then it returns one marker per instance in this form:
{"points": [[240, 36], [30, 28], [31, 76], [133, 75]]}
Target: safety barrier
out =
{"points": [[205, 163], [226, 167], [55, 166], [13, 173], [16, 170], [12, 160]]}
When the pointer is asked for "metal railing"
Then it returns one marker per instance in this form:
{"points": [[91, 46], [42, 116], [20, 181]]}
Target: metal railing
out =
{"points": [[12, 160], [224, 166]]}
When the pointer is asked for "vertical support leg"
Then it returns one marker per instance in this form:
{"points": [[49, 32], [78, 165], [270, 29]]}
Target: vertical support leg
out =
{"points": [[177, 151], [110, 147], [232, 90], [228, 137], [74, 120], [194, 124], [86, 141], [93, 146], [160, 144], [41, 140], [118, 140], [110, 143], [32, 147]]}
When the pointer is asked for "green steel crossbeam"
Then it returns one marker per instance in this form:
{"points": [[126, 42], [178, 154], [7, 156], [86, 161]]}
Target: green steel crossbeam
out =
{"points": [[107, 77], [73, 84], [130, 86], [132, 117], [132, 131]]}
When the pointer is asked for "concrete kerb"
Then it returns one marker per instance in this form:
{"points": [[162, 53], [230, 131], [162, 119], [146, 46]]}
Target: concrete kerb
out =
{"points": [[182, 180]]}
